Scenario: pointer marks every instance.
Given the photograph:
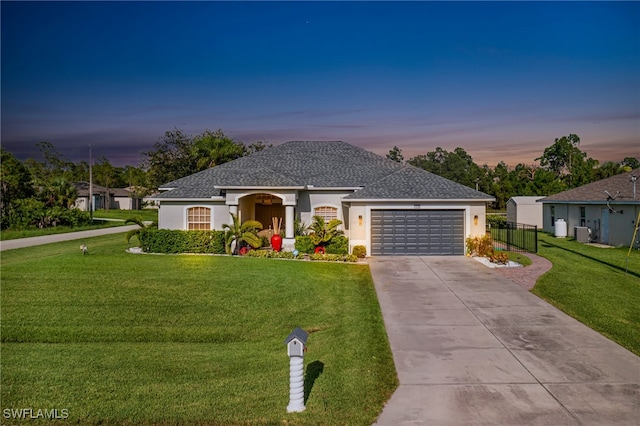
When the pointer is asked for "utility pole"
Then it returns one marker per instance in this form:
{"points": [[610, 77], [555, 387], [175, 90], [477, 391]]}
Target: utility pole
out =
{"points": [[90, 185]]}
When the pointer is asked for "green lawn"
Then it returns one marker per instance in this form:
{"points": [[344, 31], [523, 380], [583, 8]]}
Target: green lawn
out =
{"points": [[145, 214], [119, 215], [593, 285], [116, 338]]}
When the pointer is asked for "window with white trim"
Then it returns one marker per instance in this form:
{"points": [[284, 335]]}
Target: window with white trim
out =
{"points": [[326, 212], [199, 218]]}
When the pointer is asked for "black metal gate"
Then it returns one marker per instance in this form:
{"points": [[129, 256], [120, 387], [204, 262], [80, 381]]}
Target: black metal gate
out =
{"points": [[516, 237]]}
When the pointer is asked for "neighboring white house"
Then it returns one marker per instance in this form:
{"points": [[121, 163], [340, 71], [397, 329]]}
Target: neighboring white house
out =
{"points": [[389, 207], [118, 198], [525, 210], [608, 207]]}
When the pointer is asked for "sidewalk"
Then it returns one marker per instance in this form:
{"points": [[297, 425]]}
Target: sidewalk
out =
{"points": [[472, 347], [47, 239]]}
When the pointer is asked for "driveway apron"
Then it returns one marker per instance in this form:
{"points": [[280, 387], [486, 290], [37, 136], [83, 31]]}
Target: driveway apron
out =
{"points": [[472, 347]]}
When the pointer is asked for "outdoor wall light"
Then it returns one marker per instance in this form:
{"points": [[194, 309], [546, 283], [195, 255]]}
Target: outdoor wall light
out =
{"points": [[475, 220], [360, 220]]}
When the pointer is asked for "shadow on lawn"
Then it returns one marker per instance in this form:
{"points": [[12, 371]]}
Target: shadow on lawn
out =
{"points": [[314, 370], [611, 265]]}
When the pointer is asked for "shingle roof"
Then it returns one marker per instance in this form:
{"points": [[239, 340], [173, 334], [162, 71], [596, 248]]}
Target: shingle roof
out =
{"points": [[618, 187], [321, 164]]}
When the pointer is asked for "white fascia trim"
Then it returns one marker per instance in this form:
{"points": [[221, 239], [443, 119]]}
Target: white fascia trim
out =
{"points": [[416, 200], [333, 188], [166, 189], [215, 198], [600, 203], [263, 188]]}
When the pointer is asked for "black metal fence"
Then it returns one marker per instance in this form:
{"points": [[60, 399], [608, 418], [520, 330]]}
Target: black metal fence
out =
{"points": [[516, 237]]}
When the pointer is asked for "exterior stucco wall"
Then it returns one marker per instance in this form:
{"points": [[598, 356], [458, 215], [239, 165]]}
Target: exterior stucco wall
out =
{"points": [[356, 216], [309, 200], [528, 214], [173, 215], [606, 227]]}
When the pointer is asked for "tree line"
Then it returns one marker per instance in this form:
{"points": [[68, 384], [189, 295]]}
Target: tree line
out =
{"points": [[41, 192], [562, 166]]}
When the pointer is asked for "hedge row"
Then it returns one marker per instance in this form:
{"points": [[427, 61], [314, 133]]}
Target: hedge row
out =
{"points": [[269, 254], [170, 241], [338, 245]]}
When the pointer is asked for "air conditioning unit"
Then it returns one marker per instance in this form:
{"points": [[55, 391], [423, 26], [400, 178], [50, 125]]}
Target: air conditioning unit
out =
{"points": [[581, 234]]}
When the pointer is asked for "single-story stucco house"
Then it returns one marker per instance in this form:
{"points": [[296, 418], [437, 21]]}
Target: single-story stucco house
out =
{"points": [[389, 207], [525, 210], [608, 208], [118, 198]]}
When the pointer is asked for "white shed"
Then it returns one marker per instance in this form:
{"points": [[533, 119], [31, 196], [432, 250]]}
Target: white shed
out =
{"points": [[525, 210]]}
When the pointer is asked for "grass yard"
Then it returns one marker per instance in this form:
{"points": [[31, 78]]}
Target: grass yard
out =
{"points": [[591, 284], [146, 214], [116, 338], [120, 215]]}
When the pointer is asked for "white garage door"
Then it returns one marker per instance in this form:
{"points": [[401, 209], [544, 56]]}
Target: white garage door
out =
{"points": [[417, 232]]}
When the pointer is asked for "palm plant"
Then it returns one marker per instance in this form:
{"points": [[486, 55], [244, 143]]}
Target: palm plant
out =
{"points": [[322, 232], [136, 232], [241, 233]]}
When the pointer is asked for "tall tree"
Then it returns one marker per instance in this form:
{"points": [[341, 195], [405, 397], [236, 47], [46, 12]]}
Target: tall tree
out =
{"points": [[395, 154], [59, 192], [214, 148], [457, 166], [566, 160], [105, 174], [631, 163], [15, 184], [258, 146], [52, 164], [172, 158]]}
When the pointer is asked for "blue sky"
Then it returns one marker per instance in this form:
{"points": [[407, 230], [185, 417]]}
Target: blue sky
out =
{"points": [[501, 80]]}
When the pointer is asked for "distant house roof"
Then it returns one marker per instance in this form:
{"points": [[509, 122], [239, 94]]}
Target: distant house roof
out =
{"points": [[616, 189], [83, 189], [321, 165], [525, 200]]}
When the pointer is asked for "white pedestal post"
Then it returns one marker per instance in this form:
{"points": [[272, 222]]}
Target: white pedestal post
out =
{"points": [[296, 385]]}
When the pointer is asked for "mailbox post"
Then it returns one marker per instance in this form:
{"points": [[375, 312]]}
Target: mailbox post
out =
{"points": [[296, 344]]}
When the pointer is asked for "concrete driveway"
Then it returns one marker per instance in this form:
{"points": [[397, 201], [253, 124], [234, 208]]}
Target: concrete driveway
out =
{"points": [[472, 347]]}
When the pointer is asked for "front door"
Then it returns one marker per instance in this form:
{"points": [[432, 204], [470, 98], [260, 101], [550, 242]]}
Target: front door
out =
{"points": [[264, 213]]}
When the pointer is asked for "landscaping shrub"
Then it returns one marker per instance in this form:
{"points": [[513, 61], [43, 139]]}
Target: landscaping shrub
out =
{"points": [[270, 254], [480, 246], [304, 245], [170, 241], [31, 213], [338, 245], [483, 247], [499, 257], [334, 257], [496, 220], [359, 251]]}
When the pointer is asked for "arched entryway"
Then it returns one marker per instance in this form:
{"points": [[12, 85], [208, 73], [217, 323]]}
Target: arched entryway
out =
{"points": [[266, 207]]}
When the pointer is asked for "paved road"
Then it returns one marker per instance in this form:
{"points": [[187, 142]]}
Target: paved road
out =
{"points": [[36, 241], [472, 347]]}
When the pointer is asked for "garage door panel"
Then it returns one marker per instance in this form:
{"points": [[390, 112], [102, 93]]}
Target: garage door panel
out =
{"points": [[417, 232]]}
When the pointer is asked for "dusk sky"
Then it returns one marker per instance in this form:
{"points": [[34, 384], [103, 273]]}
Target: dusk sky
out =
{"points": [[501, 80]]}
